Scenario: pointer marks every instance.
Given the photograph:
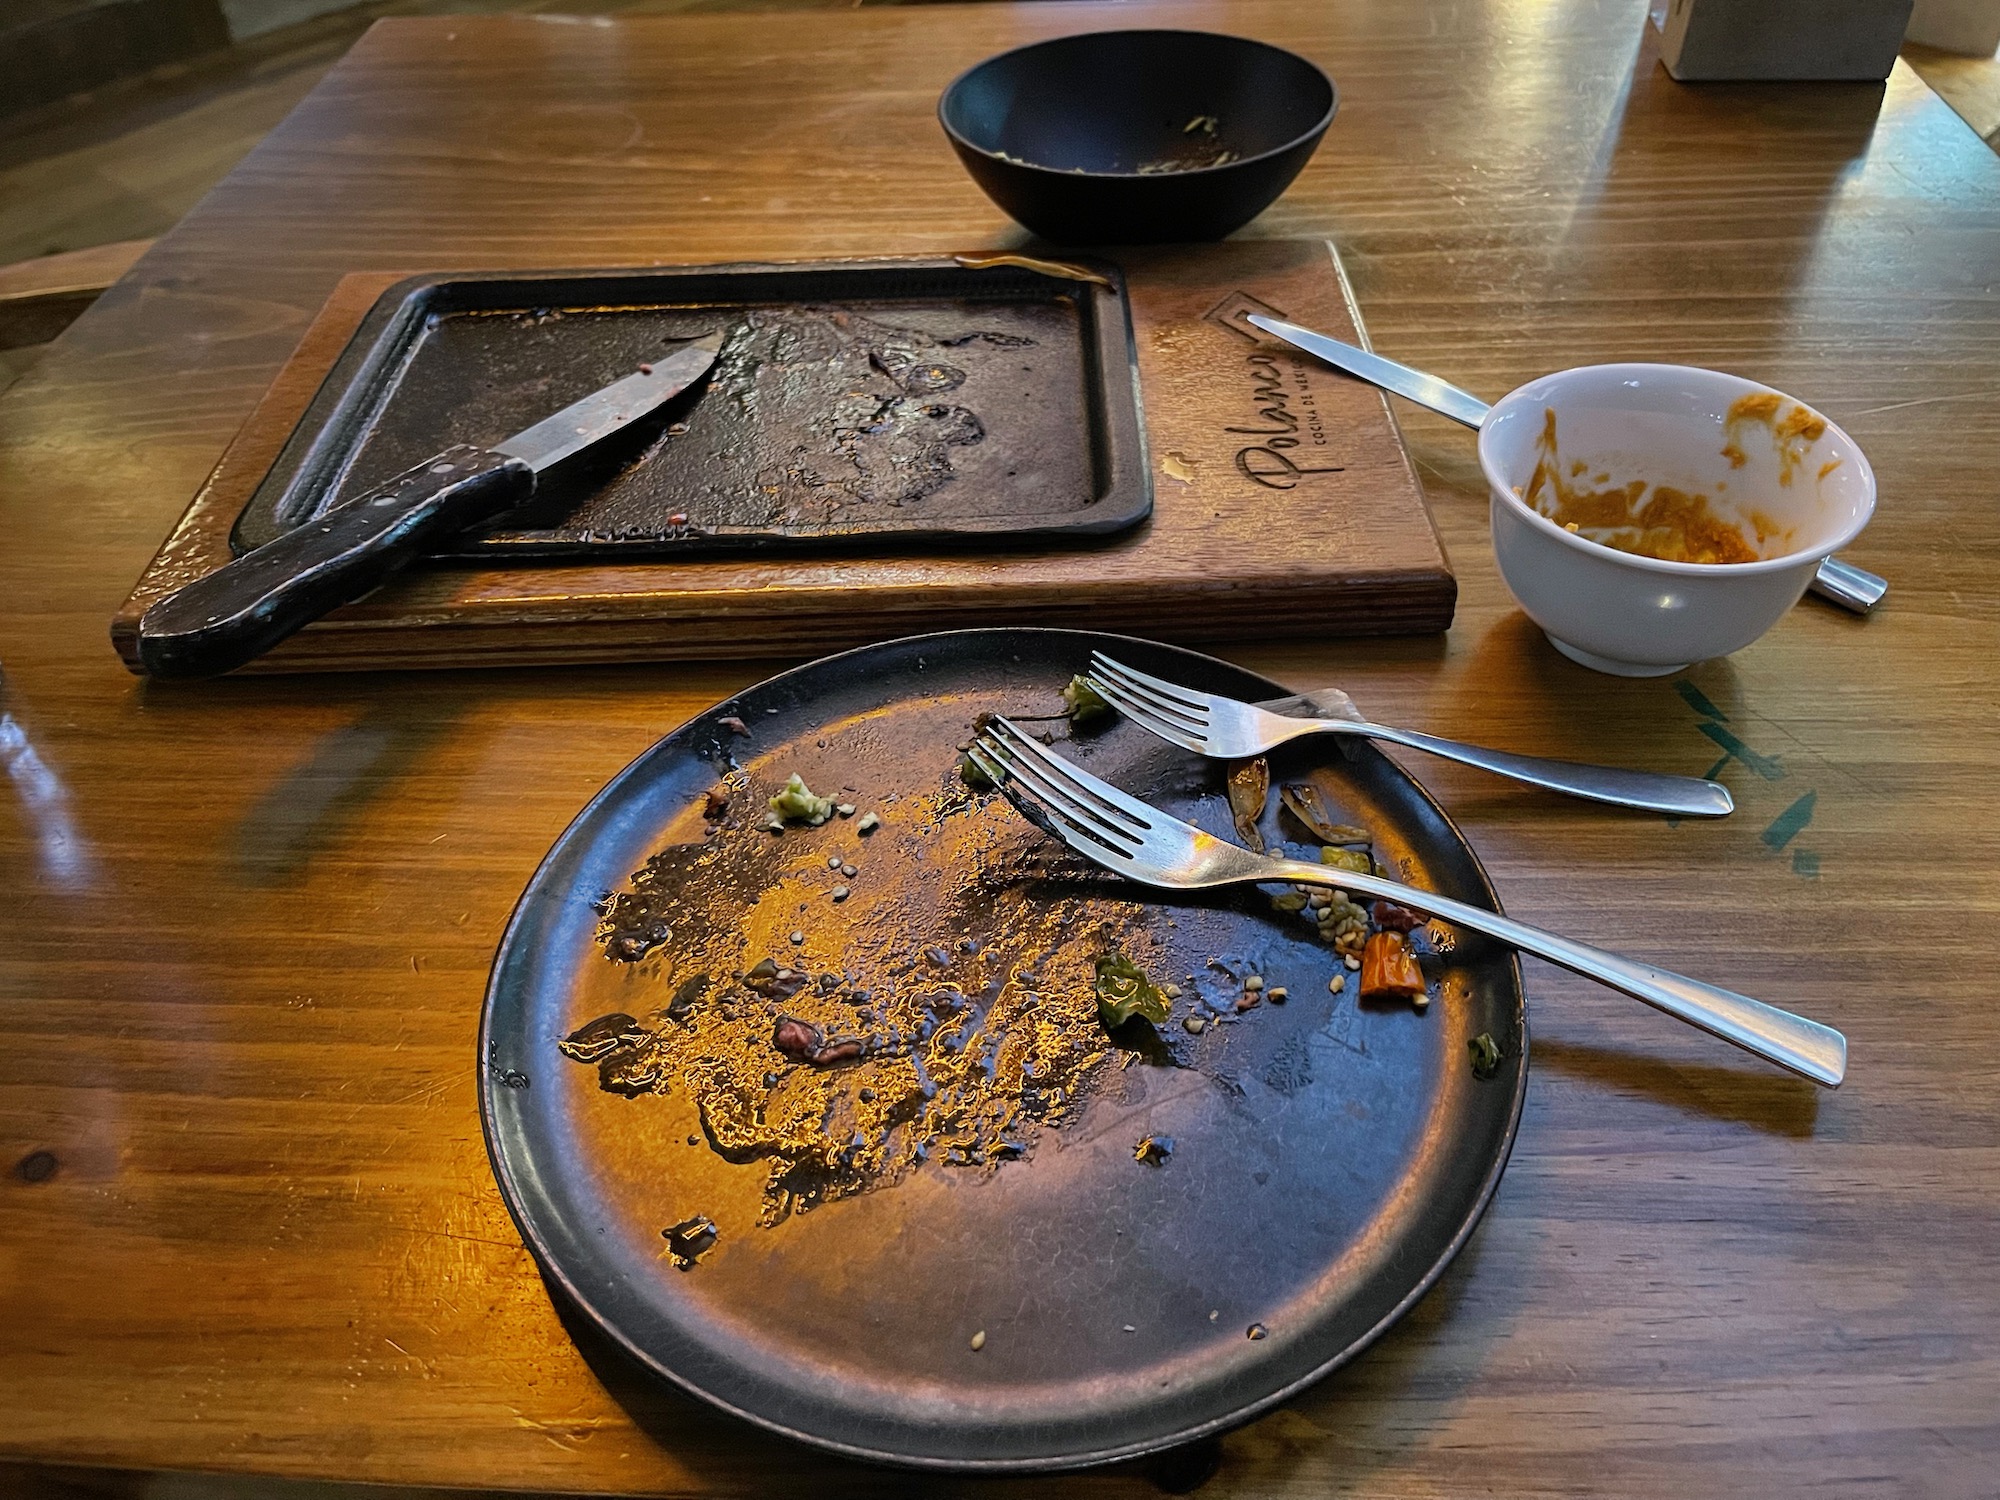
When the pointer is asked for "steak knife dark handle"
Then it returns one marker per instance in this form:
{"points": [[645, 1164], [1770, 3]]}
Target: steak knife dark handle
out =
{"points": [[246, 607]]}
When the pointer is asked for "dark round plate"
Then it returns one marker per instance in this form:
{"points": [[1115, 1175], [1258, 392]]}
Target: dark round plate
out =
{"points": [[1329, 1157]]}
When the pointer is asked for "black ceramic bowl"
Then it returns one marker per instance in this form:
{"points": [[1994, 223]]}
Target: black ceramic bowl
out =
{"points": [[1130, 137]]}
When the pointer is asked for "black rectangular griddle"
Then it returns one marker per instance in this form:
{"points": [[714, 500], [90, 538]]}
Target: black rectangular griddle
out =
{"points": [[916, 402]]}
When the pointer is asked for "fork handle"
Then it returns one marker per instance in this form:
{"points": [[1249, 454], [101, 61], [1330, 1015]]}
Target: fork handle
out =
{"points": [[1689, 796], [1805, 1047]]}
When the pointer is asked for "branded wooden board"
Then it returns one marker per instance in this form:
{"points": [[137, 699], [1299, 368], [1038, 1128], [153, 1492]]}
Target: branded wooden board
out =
{"points": [[1284, 505]]}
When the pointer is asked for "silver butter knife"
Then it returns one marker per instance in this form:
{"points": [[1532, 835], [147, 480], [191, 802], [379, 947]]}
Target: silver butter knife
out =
{"points": [[1841, 583]]}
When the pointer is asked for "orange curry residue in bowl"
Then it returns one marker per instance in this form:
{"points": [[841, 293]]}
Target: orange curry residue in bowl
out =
{"points": [[1657, 520]]}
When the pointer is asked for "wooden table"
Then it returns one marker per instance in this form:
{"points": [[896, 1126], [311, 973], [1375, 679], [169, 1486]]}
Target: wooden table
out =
{"points": [[247, 1222]]}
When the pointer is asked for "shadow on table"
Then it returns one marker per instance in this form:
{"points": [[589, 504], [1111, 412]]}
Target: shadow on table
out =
{"points": [[1752, 1095], [696, 1433], [1356, 1411], [347, 743]]}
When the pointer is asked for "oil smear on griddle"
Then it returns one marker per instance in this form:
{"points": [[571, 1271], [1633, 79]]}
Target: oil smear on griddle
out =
{"points": [[816, 415], [946, 1014]]}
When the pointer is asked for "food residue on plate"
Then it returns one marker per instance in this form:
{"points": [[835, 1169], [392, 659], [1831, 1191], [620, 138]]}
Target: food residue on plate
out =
{"points": [[795, 802], [964, 996], [1389, 970], [1249, 789], [1642, 518], [1082, 702], [689, 1240], [1485, 1055], [1124, 991]]}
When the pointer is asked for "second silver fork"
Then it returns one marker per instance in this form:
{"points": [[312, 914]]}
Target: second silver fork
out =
{"points": [[1209, 724], [1133, 839]]}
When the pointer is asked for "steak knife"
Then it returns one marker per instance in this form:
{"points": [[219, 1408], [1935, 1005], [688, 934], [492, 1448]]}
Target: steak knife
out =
{"points": [[247, 606]]}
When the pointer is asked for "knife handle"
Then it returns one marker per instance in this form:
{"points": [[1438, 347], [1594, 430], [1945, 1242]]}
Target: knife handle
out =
{"points": [[247, 606]]}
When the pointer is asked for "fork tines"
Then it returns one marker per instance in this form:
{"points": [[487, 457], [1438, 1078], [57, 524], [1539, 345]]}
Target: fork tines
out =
{"points": [[1176, 714], [1091, 817]]}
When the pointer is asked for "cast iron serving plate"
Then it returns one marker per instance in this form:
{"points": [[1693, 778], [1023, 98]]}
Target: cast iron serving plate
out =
{"points": [[894, 402], [1328, 1157]]}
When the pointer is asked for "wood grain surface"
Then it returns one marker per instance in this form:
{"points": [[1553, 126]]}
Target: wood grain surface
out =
{"points": [[1357, 554], [247, 1223]]}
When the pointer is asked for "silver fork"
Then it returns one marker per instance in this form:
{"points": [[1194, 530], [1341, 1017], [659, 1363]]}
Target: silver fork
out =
{"points": [[1144, 844], [1211, 725]]}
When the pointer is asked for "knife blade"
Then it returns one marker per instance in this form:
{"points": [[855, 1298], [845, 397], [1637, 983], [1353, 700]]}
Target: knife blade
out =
{"points": [[249, 605], [1842, 583], [1426, 390]]}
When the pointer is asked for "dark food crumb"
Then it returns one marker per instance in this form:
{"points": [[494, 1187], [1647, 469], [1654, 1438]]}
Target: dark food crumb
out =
{"points": [[774, 982], [1256, 1331], [797, 1039], [689, 1240], [734, 725], [716, 802], [1388, 914], [1154, 1150], [597, 1039], [803, 1042]]}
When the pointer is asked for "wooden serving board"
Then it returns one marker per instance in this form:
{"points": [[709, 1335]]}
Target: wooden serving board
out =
{"points": [[1284, 505]]}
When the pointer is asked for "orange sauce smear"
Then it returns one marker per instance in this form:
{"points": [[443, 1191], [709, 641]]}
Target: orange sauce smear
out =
{"points": [[1793, 432], [1646, 520]]}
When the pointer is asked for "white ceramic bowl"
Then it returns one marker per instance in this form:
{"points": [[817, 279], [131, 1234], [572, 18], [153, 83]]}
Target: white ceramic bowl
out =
{"points": [[1639, 616]]}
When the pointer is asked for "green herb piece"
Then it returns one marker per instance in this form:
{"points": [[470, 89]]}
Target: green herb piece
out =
{"points": [[1124, 991], [1081, 702], [1485, 1055], [970, 772], [1356, 860], [796, 803]]}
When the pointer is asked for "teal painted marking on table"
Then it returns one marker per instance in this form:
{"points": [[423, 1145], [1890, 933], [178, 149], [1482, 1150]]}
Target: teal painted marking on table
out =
{"points": [[1789, 823], [1697, 700], [1779, 833], [1765, 766]]}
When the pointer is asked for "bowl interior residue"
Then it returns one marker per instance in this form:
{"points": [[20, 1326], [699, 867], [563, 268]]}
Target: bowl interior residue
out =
{"points": [[1790, 482], [1132, 102]]}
